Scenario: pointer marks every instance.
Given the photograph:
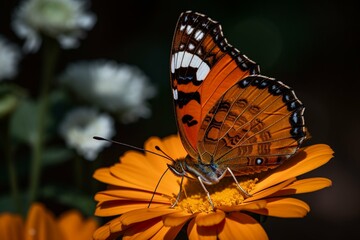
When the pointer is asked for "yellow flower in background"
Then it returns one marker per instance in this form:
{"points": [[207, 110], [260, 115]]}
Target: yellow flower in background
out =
{"points": [[41, 224], [131, 185]]}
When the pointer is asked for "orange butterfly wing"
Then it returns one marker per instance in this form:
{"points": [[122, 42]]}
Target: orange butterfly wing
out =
{"points": [[203, 67], [228, 115], [257, 124]]}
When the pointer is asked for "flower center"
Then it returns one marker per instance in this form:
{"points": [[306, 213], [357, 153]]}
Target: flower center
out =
{"points": [[225, 193]]}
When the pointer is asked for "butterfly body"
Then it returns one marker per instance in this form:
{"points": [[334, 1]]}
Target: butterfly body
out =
{"points": [[231, 119], [209, 173]]}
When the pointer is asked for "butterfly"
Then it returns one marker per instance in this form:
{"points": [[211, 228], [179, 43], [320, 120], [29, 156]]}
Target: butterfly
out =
{"points": [[232, 120]]}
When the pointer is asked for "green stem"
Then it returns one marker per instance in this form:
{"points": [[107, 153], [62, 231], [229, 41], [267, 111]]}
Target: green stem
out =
{"points": [[50, 54], [11, 167]]}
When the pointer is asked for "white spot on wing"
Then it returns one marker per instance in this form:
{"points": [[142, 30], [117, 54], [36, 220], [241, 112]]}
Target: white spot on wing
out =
{"points": [[177, 59], [191, 46], [185, 59], [172, 65], [175, 94], [202, 71], [196, 61], [198, 35], [182, 27], [189, 29]]}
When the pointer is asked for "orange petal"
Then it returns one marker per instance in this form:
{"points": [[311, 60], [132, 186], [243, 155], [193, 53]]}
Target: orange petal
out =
{"points": [[11, 226], [73, 225], [130, 194], [143, 230], [142, 175], [143, 162], [201, 233], [176, 219], [268, 191], [167, 233], [137, 171], [104, 175], [116, 226], [304, 186], [41, 225], [284, 207], [89, 226], [102, 232], [209, 219], [241, 226], [259, 204], [111, 208], [144, 214], [171, 145], [110, 230], [307, 159]]}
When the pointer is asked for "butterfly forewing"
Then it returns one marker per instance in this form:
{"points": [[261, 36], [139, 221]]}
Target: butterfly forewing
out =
{"points": [[203, 66]]}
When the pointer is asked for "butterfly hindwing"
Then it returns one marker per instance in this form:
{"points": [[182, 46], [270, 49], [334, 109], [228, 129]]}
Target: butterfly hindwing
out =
{"points": [[203, 66], [255, 125]]}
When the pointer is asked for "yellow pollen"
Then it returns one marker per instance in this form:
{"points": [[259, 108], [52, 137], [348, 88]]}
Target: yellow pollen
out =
{"points": [[225, 193]]}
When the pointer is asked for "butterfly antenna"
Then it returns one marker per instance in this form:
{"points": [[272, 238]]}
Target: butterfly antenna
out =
{"points": [[136, 148], [157, 185], [164, 155], [160, 150]]}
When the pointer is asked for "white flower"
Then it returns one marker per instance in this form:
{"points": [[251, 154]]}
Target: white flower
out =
{"points": [[64, 20], [9, 59], [81, 125], [118, 88]]}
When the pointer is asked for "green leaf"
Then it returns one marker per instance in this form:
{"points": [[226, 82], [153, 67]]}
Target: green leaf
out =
{"points": [[10, 96], [23, 122], [8, 104]]}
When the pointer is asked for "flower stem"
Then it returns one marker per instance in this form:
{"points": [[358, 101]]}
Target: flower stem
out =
{"points": [[50, 54], [11, 167]]}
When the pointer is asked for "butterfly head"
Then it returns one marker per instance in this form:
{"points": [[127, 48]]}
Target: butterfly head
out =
{"points": [[188, 167], [178, 167]]}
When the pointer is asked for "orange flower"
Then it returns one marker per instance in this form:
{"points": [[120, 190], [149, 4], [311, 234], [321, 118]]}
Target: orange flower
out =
{"points": [[132, 182], [42, 225]]}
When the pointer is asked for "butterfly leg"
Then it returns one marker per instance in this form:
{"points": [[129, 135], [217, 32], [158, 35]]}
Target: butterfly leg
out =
{"points": [[207, 193], [179, 194], [238, 185]]}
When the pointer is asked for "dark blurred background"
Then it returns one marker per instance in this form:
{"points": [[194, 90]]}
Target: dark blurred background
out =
{"points": [[312, 46]]}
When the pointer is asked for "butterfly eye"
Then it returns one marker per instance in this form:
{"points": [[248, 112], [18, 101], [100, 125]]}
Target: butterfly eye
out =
{"points": [[177, 169], [259, 161]]}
